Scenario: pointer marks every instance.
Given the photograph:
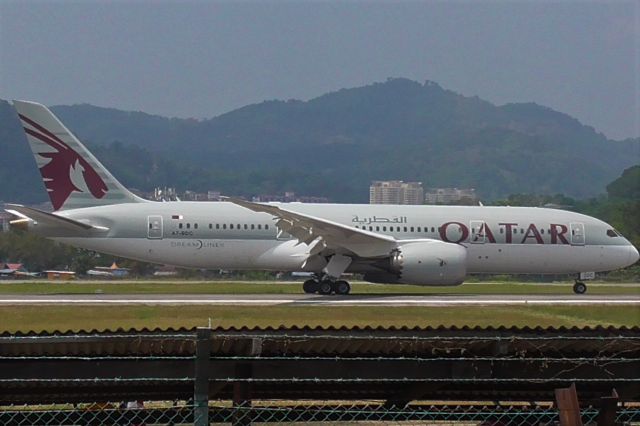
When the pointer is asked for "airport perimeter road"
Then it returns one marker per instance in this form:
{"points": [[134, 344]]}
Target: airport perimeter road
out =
{"points": [[354, 300]]}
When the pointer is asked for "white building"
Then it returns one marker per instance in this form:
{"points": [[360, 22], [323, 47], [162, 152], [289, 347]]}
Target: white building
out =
{"points": [[396, 192], [450, 196]]}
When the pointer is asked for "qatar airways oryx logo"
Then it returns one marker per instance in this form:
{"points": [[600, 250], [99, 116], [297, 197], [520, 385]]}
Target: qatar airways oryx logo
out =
{"points": [[65, 171]]}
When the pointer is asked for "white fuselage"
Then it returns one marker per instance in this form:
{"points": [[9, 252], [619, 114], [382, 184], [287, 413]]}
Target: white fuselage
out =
{"points": [[221, 235]]}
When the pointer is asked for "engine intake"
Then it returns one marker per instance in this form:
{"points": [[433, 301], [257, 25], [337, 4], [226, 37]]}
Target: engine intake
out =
{"points": [[429, 262]]}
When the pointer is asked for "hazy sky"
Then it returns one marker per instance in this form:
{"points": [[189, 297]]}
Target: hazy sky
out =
{"points": [[201, 59]]}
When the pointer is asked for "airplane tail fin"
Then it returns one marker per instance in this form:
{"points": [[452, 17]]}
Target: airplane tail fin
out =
{"points": [[73, 177]]}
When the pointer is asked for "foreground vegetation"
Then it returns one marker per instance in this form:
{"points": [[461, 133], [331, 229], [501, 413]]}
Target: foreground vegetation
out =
{"points": [[62, 318]]}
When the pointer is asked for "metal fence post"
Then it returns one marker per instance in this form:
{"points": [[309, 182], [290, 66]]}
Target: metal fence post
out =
{"points": [[568, 405], [608, 409], [242, 396], [201, 377]]}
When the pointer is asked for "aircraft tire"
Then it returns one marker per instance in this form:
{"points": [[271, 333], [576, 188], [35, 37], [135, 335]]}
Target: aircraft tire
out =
{"points": [[341, 287], [310, 286], [325, 287], [579, 287]]}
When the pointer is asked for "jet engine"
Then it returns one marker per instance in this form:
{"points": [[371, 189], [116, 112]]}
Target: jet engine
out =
{"points": [[424, 262]]}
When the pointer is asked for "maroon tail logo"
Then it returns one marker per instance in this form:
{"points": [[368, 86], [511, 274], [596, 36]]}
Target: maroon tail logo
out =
{"points": [[66, 171]]}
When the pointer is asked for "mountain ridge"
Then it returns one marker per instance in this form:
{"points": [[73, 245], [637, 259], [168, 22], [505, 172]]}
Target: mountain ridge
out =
{"points": [[334, 144]]}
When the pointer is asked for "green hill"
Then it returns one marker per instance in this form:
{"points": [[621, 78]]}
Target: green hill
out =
{"points": [[335, 144]]}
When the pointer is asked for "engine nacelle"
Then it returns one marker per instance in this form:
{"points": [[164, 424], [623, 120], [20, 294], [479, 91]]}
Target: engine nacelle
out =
{"points": [[429, 262]]}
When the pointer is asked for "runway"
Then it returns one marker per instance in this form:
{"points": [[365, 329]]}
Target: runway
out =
{"points": [[315, 300]]}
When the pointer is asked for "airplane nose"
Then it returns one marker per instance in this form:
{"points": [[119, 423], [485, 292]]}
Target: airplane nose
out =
{"points": [[633, 255]]}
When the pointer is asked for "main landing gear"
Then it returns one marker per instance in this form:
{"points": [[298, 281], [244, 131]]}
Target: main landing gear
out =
{"points": [[326, 287], [579, 287]]}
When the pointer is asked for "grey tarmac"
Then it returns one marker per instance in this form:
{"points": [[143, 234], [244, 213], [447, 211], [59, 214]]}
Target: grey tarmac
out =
{"points": [[315, 300]]}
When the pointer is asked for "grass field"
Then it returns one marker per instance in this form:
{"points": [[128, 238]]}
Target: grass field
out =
{"points": [[51, 318], [55, 317], [267, 287]]}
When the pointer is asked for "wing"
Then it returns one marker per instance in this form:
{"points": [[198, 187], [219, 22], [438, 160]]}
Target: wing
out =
{"points": [[323, 235]]}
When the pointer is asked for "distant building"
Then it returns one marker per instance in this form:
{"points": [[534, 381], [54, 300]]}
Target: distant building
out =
{"points": [[11, 270], [450, 196], [214, 196], [165, 271], [288, 197], [12, 266], [194, 196], [311, 199], [395, 192], [108, 271], [164, 194], [5, 218], [60, 275]]}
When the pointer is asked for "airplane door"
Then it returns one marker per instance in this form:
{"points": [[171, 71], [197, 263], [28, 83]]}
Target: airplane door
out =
{"points": [[577, 234], [154, 227], [478, 235]]}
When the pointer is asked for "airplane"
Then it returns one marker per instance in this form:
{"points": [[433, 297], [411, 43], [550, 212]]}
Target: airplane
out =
{"points": [[409, 244]]}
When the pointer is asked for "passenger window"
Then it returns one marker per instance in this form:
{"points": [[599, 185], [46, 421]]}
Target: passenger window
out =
{"points": [[217, 226], [377, 228], [542, 231], [245, 226], [419, 229], [231, 226], [405, 229], [188, 226], [412, 229], [180, 226], [195, 226], [371, 228], [266, 227], [433, 229], [259, 226], [211, 226], [224, 226], [253, 226]]}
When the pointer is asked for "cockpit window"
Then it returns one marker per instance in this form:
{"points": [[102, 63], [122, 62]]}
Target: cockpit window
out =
{"points": [[613, 233]]}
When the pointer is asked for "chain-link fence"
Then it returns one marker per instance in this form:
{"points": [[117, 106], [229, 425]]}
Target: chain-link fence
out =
{"points": [[276, 412], [345, 376]]}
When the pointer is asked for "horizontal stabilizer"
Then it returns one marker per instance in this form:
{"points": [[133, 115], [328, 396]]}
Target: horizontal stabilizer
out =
{"points": [[49, 218]]}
